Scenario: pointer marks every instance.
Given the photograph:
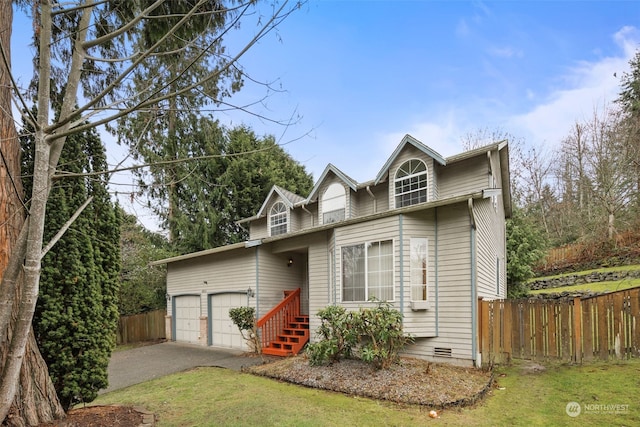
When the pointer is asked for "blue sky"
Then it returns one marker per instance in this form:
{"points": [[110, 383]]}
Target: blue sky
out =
{"points": [[364, 73]]}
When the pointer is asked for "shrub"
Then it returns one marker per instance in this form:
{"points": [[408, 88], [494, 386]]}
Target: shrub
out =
{"points": [[381, 335], [245, 319], [337, 336], [375, 332]]}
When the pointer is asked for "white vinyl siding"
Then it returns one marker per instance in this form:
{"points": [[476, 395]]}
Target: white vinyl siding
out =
{"points": [[463, 177], [420, 323], [258, 229], [454, 290], [226, 271], [491, 250], [319, 281], [276, 277]]}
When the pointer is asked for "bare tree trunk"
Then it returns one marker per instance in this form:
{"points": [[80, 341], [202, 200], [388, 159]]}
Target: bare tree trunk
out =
{"points": [[35, 400]]}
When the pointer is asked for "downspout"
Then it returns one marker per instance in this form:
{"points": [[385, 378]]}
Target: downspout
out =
{"points": [[173, 319], [375, 201], [335, 274], [258, 314], [474, 292], [437, 255], [400, 219], [304, 208]]}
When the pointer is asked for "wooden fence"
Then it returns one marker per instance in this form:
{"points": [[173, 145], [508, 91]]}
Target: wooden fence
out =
{"points": [[580, 329], [141, 327]]}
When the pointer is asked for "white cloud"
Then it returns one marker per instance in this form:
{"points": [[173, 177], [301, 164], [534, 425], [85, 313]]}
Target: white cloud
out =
{"points": [[589, 85], [441, 133], [462, 29], [505, 52]]}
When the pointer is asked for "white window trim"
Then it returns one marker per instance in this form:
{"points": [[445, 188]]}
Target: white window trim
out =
{"points": [[426, 241], [272, 215], [396, 179], [366, 270]]}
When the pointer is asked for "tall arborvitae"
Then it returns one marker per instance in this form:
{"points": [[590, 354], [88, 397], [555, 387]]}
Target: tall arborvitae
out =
{"points": [[76, 316]]}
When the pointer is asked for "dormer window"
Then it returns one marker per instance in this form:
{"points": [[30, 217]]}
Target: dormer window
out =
{"points": [[278, 219], [411, 183], [334, 202]]}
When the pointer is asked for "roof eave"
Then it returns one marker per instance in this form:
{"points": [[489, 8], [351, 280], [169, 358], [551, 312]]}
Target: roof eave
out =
{"points": [[408, 139]]}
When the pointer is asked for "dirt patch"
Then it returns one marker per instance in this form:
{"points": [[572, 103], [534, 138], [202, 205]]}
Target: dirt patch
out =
{"points": [[529, 367], [412, 381], [105, 416]]}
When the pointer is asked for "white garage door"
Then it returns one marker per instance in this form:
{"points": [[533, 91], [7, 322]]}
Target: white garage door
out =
{"points": [[187, 316], [224, 333]]}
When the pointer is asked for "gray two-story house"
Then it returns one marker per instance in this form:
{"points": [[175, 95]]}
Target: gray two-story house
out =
{"points": [[427, 234]]}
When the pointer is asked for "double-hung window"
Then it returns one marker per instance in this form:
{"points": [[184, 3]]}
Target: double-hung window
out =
{"points": [[410, 183], [278, 219], [367, 271]]}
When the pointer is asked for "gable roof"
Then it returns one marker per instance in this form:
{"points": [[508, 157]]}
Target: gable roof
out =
{"points": [[408, 139], [351, 183], [288, 198]]}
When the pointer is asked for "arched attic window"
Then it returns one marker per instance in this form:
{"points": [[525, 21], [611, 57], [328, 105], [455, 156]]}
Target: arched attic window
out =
{"points": [[278, 219], [411, 183], [334, 203]]}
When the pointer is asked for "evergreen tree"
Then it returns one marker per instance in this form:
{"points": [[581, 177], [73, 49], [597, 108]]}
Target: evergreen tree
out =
{"points": [[142, 287], [525, 248], [76, 315], [228, 185], [629, 100]]}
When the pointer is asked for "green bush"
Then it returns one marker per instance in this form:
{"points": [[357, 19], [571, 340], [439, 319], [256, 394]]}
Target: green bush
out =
{"points": [[381, 335], [375, 332], [337, 336], [245, 319]]}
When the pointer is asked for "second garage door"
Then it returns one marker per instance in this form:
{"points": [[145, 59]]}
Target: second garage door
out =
{"points": [[224, 333]]}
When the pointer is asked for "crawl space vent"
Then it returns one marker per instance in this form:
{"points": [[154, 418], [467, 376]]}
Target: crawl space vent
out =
{"points": [[442, 352]]}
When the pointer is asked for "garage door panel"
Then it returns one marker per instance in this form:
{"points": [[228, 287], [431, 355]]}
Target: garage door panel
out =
{"points": [[224, 333], [187, 318]]}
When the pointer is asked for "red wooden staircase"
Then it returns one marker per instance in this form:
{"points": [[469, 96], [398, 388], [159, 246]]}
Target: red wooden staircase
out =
{"points": [[283, 330]]}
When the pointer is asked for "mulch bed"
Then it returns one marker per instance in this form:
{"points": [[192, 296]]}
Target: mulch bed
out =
{"points": [[104, 416]]}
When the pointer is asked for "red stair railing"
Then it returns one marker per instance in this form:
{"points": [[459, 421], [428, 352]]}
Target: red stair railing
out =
{"points": [[273, 323]]}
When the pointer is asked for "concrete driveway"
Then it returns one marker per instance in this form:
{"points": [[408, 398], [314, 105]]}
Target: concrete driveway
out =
{"points": [[140, 364]]}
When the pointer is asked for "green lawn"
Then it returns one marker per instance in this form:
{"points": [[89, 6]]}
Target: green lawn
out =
{"points": [[220, 397], [617, 285], [585, 272]]}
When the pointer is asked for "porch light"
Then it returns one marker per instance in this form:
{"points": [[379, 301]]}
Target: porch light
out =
{"points": [[290, 263], [250, 292]]}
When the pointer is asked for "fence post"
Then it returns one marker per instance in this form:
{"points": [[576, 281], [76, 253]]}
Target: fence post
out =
{"points": [[577, 329]]}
